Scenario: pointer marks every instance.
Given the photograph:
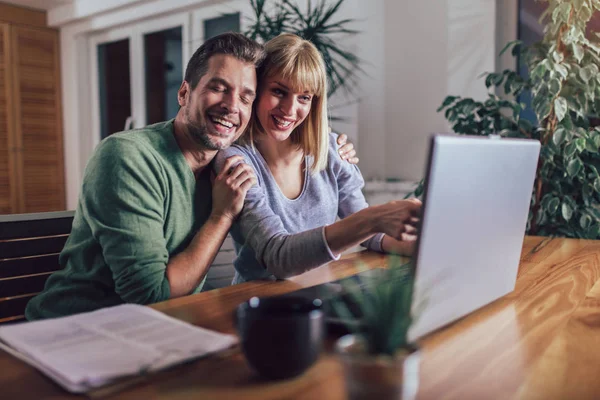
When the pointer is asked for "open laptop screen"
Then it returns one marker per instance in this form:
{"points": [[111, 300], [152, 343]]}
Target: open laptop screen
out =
{"points": [[475, 207]]}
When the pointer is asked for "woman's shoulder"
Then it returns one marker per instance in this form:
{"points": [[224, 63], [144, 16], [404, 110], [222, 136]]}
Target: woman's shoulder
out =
{"points": [[237, 149], [246, 151]]}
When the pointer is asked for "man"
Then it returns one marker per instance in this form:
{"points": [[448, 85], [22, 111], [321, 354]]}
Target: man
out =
{"points": [[148, 224]]}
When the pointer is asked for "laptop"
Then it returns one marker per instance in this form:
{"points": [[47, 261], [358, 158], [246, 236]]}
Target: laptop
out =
{"points": [[475, 207]]}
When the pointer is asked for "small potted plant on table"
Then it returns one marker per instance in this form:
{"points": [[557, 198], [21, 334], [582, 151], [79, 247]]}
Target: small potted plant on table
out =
{"points": [[377, 353]]}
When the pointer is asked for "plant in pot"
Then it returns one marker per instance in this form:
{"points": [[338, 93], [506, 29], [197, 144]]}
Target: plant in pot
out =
{"points": [[565, 98], [377, 351]]}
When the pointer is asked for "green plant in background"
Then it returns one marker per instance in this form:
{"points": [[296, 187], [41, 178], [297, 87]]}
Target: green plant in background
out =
{"points": [[384, 307], [565, 89], [318, 25]]}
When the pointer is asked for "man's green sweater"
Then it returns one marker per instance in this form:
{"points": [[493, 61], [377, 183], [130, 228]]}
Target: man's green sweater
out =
{"points": [[139, 206]]}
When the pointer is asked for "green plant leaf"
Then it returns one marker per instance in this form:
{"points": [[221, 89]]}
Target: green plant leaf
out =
{"points": [[570, 150], [586, 74], [574, 167], [595, 213], [578, 52], [560, 108], [554, 87], [585, 221], [596, 4], [562, 70], [537, 72], [586, 13], [597, 185], [514, 43], [447, 101], [566, 211], [498, 79], [491, 79], [541, 107], [590, 145], [552, 206], [561, 13], [587, 194], [558, 57], [559, 136]]}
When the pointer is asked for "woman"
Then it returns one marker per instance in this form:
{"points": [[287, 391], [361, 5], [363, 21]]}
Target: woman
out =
{"points": [[288, 224]]}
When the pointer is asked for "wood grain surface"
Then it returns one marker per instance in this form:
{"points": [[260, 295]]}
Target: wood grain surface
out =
{"points": [[541, 341], [8, 175], [38, 124]]}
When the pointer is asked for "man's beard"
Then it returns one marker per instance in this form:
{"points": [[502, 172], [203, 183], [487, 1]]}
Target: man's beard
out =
{"points": [[199, 133]]}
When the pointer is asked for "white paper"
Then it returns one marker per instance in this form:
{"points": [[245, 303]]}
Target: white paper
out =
{"points": [[89, 350]]}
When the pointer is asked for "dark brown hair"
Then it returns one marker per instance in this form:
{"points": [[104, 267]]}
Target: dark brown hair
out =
{"points": [[230, 43]]}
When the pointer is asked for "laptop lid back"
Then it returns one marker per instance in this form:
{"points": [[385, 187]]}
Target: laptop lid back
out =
{"points": [[476, 202]]}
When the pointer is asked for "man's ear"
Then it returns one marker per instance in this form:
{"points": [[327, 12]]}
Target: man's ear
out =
{"points": [[183, 94]]}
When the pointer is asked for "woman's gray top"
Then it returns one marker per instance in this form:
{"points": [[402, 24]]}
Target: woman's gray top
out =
{"points": [[278, 237]]}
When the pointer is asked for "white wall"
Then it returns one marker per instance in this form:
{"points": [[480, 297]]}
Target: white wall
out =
{"points": [[371, 122], [431, 48], [415, 81]]}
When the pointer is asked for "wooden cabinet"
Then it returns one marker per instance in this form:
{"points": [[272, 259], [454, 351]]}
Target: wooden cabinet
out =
{"points": [[31, 148]]}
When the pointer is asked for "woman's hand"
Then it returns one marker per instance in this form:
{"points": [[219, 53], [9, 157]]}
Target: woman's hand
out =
{"points": [[346, 151], [404, 247], [397, 219]]}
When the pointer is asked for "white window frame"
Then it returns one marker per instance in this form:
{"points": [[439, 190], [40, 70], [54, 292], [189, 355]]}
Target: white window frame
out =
{"points": [[135, 33], [93, 43], [203, 14]]}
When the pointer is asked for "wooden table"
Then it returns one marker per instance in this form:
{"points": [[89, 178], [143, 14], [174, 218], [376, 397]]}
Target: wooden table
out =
{"points": [[540, 342]]}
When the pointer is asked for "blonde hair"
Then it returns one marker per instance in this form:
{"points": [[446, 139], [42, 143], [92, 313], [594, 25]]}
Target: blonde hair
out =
{"points": [[298, 61]]}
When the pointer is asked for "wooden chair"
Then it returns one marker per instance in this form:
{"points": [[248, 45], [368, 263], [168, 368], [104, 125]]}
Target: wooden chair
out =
{"points": [[221, 271], [29, 249]]}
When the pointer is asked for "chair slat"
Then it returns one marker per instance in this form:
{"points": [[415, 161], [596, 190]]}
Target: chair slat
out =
{"points": [[27, 266], [14, 306], [10, 320], [35, 225], [29, 249], [32, 247], [224, 257], [11, 287]]}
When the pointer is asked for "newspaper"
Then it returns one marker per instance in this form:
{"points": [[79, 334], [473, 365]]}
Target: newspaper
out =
{"points": [[89, 350]]}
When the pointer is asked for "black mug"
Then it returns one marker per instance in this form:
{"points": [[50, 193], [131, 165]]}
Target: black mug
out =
{"points": [[281, 336]]}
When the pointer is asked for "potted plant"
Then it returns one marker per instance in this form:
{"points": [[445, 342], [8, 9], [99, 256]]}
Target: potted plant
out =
{"points": [[565, 97], [375, 354]]}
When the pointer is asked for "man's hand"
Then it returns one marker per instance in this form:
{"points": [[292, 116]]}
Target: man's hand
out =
{"points": [[230, 187], [346, 151]]}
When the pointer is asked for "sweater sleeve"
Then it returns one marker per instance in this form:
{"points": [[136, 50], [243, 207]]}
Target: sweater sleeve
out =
{"points": [[350, 184], [122, 199], [278, 251]]}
